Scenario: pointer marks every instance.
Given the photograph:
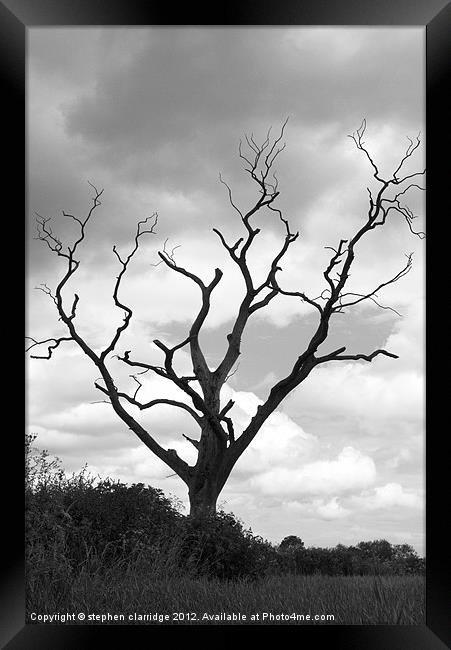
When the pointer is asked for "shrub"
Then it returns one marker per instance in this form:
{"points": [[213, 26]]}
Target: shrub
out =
{"points": [[79, 523], [219, 546], [76, 521]]}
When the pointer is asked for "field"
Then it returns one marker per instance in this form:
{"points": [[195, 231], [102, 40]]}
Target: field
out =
{"points": [[352, 600]]}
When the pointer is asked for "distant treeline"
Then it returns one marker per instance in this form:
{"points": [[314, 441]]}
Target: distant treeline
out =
{"points": [[79, 524], [378, 557]]}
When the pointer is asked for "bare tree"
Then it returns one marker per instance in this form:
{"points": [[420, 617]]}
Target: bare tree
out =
{"points": [[218, 447]]}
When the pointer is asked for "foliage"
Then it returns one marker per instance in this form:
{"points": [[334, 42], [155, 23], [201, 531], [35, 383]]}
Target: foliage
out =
{"points": [[377, 557], [224, 549], [290, 543], [78, 521]]}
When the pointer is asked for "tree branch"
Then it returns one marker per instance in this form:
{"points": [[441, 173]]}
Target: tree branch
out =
{"points": [[259, 165], [155, 402], [50, 347], [373, 293], [124, 263], [336, 356], [192, 441], [200, 367]]}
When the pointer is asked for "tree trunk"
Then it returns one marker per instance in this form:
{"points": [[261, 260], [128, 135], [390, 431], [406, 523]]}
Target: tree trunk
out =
{"points": [[203, 498], [206, 482]]}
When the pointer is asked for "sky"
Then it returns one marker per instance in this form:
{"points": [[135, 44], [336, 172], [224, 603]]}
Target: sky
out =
{"points": [[153, 116]]}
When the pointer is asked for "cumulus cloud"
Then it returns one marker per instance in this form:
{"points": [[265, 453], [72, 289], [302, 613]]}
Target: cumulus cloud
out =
{"points": [[332, 510], [351, 470], [318, 508], [389, 496], [137, 466], [281, 441], [354, 389]]}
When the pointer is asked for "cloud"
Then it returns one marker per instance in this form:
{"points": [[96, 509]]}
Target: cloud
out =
{"points": [[391, 495], [403, 457], [355, 390], [408, 337], [332, 510], [83, 444], [129, 104], [351, 470], [318, 508], [382, 498], [182, 79], [280, 441], [138, 465]]}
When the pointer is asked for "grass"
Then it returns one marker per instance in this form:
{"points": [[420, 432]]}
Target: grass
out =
{"points": [[352, 600]]}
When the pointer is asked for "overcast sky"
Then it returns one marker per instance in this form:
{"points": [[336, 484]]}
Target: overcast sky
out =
{"points": [[153, 116]]}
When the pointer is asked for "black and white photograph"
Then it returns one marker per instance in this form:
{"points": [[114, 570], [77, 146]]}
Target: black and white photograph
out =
{"points": [[225, 306]]}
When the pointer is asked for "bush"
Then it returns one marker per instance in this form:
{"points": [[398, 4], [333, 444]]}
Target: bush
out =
{"points": [[79, 523], [219, 546]]}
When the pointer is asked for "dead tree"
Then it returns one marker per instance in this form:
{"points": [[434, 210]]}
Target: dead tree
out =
{"points": [[218, 447]]}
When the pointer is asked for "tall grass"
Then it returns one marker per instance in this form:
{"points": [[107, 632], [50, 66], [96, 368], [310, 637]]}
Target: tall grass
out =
{"points": [[352, 600]]}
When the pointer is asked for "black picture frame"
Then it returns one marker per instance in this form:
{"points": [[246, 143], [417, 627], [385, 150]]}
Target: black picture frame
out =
{"points": [[435, 15]]}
